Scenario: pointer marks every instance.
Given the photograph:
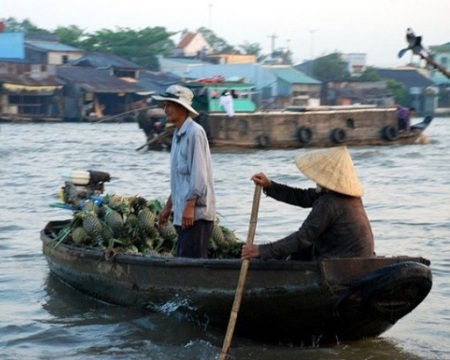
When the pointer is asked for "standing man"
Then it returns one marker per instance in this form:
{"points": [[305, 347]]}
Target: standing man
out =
{"points": [[404, 115], [192, 197], [226, 102]]}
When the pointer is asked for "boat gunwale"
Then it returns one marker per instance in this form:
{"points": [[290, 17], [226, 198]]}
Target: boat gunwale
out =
{"points": [[323, 265]]}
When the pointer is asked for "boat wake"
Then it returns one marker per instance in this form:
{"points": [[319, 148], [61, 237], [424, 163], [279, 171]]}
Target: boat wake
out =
{"points": [[174, 306], [423, 139]]}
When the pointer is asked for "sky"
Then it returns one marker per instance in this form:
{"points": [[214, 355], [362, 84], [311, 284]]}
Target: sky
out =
{"points": [[308, 28]]}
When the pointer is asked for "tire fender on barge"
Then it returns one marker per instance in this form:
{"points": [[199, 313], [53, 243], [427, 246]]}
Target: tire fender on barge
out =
{"points": [[389, 132], [338, 135], [304, 134]]}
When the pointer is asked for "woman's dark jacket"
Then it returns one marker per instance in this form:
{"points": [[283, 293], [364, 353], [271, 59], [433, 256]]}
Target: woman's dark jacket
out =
{"points": [[337, 225]]}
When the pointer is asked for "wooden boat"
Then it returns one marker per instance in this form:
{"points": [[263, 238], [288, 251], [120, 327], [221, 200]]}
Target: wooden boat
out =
{"points": [[290, 302], [314, 128], [290, 128]]}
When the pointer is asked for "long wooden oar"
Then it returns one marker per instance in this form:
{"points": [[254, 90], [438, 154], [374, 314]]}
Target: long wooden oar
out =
{"points": [[159, 137], [108, 118], [242, 277]]}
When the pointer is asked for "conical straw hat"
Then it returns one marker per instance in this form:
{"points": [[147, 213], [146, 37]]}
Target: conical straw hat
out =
{"points": [[331, 168]]}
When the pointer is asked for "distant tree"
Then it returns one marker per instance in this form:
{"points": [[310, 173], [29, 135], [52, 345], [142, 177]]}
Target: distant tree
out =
{"points": [[369, 74], [25, 26], [71, 35], [330, 68], [140, 47], [219, 45], [284, 55], [401, 94], [252, 49]]}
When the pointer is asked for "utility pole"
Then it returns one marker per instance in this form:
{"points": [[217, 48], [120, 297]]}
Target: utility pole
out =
{"points": [[287, 56], [210, 16], [311, 33], [272, 37]]}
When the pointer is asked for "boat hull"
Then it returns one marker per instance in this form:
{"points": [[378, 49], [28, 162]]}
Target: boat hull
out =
{"points": [[302, 129], [284, 301], [291, 130]]}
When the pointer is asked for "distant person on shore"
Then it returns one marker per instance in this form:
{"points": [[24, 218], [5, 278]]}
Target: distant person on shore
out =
{"points": [[337, 225], [226, 101], [404, 116], [192, 196]]}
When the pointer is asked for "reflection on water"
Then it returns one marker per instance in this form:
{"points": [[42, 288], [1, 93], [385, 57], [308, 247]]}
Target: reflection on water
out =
{"points": [[114, 327], [406, 195]]}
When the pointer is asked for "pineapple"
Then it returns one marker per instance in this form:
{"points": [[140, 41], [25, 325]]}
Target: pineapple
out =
{"points": [[80, 236], [230, 236], [91, 206], [93, 227], [131, 221], [217, 234], [114, 220], [146, 220], [168, 232]]}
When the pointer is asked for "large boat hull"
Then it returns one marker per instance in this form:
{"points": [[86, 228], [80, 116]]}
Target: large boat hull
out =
{"points": [[350, 126], [320, 128]]}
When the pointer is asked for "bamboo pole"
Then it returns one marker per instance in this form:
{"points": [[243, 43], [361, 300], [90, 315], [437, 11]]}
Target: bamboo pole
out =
{"points": [[108, 118], [432, 62], [242, 277], [159, 137]]}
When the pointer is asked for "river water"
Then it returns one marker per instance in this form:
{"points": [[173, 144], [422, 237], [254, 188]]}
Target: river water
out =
{"points": [[407, 196]]}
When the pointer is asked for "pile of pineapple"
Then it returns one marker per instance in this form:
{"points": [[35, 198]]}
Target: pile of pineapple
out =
{"points": [[129, 225]]}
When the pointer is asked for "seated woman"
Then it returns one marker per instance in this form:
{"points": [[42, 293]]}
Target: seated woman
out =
{"points": [[337, 225]]}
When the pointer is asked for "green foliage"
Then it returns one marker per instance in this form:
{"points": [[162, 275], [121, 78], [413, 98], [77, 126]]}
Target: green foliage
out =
{"points": [[219, 45], [251, 49], [129, 224], [368, 75], [138, 46], [25, 26], [401, 94], [71, 35], [330, 68]]}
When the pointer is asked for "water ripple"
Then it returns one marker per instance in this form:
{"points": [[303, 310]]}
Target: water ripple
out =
{"points": [[406, 195]]}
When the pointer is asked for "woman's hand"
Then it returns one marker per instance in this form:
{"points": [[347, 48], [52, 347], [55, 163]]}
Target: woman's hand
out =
{"points": [[249, 251], [261, 179]]}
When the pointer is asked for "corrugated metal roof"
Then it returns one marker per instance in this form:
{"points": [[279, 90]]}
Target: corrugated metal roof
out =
{"points": [[408, 77], [16, 61], [204, 70], [102, 60], [98, 80], [50, 46], [184, 61], [158, 81], [292, 76], [29, 81]]}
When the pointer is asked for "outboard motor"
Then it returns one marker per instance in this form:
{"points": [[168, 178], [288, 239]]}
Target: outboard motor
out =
{"points": [[80, 185]]}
